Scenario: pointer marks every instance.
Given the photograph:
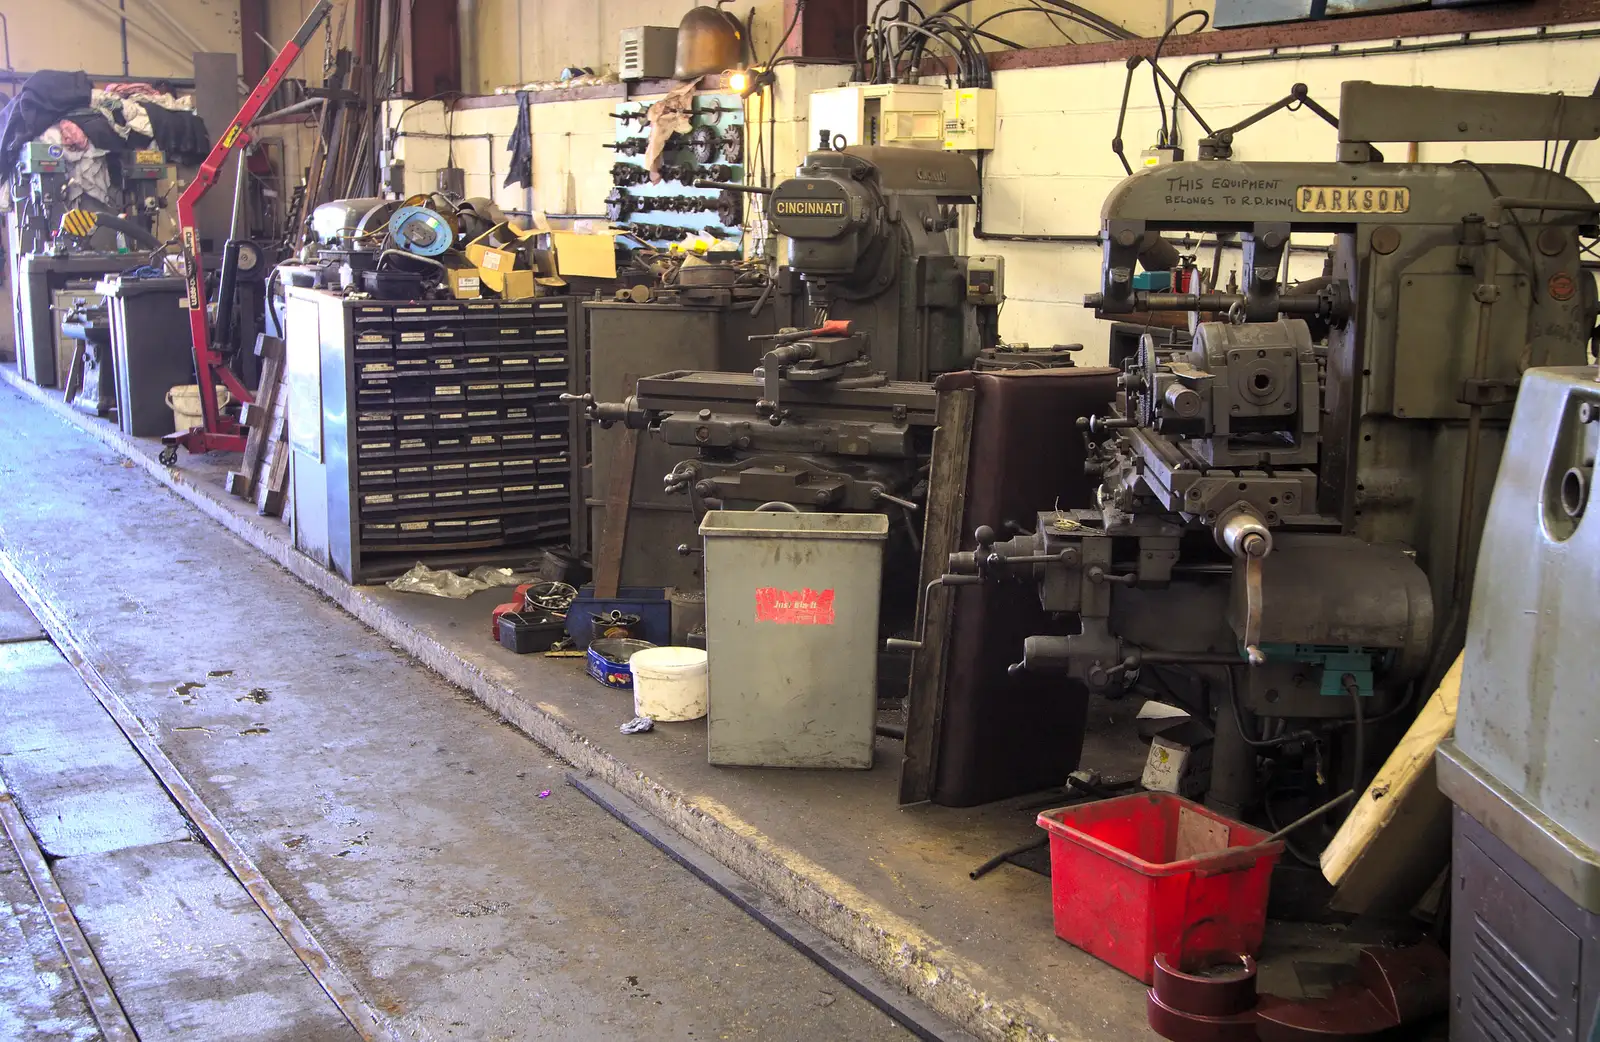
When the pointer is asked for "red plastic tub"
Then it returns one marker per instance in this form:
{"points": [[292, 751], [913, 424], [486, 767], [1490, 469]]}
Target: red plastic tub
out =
{"points": [[1152, 873]]}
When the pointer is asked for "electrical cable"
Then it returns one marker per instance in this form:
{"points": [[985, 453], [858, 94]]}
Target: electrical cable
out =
{"points": [[1516, 222], [1244, 733], [1357, 710], [1155, 64]]}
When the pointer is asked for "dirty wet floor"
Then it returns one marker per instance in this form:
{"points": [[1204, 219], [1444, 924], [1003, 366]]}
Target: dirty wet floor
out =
{"points": [[435, 853]]}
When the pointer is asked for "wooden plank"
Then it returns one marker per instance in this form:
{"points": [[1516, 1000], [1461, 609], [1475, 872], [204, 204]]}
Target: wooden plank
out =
{"points": [[258, 417], [614, 534], [275, 470], [941, 536], [74, 381], [1397, 837]]}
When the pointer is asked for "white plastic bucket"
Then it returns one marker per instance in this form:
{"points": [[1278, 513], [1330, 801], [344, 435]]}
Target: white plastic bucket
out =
{"points": [[669, 683], [184, 401]]}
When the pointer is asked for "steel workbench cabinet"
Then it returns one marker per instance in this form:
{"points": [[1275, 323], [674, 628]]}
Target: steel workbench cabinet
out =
{"points": [[428, 431]]}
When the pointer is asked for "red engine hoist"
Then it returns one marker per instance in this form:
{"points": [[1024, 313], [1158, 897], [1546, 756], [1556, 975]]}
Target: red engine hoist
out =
{"points": [[217, 432]]}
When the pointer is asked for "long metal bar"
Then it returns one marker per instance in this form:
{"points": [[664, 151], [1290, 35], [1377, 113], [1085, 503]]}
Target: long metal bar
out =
{"points": [[369, 1022], [907, 1011], [108, 1013], [214, 432]]}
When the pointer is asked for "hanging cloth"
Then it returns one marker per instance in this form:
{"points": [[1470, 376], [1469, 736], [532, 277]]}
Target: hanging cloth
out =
{"points": [[520, 146]]}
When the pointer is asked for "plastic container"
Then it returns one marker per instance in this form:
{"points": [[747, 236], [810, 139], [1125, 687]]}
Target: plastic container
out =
{"points": [[669, 683], [608, 660], [184, 401], [1154, 873], [650, 603]]}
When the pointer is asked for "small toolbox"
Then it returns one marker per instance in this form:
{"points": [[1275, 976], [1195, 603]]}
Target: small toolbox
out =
{"points": [[527, 632]]}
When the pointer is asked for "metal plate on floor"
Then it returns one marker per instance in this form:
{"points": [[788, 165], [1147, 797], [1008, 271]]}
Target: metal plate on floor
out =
{"points": [[16, 621]]}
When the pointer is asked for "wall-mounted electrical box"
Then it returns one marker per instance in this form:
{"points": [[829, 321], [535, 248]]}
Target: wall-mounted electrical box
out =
{"points": [[906, 114], [647, 52], [968, 115]]}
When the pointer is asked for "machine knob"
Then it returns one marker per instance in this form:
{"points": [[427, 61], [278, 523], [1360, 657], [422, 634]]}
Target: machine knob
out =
{"points": [[1185, 401]]}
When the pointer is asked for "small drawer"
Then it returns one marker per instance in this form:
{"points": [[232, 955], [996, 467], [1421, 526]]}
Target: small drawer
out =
{"points": [[519, 467], [375, 448], [450, 420], [516, 364], [449, 442], [551, 388], [549, 360], [413, 472], [483, 441], [419, 365], [483, 497], [449, 498], [484, 418], [375, 392], [413, 447], [450, 530], [480, 528], [448, 472], [372, 314], [517, 415], [374, 421], [414, 531], [516, 492], [446, 391], [374, 478], [521, 390], [483, 391], [413, 500], [373, 344], [378, 532], [411, 315], [520, 441], [511, 330], [557, 466], [377, 503], [413, 420], [483, 471]]}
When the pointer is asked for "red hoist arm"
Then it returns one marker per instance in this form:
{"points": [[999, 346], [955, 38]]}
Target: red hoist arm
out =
{"points": [[217, 433]]}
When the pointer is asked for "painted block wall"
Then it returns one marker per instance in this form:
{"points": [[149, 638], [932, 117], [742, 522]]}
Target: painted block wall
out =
{"points": [[533, 40], [81, 34]]}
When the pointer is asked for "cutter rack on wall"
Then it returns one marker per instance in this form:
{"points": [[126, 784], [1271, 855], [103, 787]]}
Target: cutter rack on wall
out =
{"points": [[713, 149]]}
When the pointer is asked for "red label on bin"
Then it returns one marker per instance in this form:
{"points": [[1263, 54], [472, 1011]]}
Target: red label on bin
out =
{"points": [[798, 607]]}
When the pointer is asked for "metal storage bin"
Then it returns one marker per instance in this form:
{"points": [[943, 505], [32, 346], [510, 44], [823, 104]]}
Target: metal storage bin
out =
{"points": [[428, 430], [152, 350], [792, 636]]}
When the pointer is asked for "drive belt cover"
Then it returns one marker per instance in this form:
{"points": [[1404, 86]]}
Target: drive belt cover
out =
{"points": [[814, 208]]}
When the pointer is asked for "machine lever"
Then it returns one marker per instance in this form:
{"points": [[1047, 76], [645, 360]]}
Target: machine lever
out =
{"points": [[1252, 609], [900, 643], [1097, 574]]}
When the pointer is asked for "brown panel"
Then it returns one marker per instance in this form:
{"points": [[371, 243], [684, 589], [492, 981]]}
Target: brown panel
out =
{"points": [[826, 28], [253, 55], [1300, 34], [1001, 735], [435, 49]]}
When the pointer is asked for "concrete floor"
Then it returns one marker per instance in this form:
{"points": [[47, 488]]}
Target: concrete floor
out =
{"points": [[433, 850], [890, 884]]}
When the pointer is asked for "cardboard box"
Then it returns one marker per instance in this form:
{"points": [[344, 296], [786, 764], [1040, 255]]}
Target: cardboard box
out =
{"points": [[584, 254], [462, 277], [516, 262]]}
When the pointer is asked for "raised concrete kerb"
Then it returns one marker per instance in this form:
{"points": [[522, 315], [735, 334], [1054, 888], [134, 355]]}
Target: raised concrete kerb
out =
{"points": [[894, 946]]}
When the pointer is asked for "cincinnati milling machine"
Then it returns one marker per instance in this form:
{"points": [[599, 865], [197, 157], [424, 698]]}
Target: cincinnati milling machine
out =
{"points": [[838, 415], [1288, 513]]}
